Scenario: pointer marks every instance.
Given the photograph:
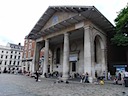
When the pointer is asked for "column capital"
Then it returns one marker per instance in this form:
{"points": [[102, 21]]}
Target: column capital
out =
{"points": [[66, 33], [87, 27], [46, 40]]}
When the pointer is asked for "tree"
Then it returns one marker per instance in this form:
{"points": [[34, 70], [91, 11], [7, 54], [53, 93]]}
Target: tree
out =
{"points": [[121, 35]]}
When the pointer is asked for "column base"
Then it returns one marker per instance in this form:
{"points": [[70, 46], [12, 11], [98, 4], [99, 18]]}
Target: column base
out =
{"points": [[64, 79], [90, 79], [42, 76]]}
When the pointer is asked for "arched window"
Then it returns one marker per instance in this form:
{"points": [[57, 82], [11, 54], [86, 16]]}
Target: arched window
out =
{"points": [[58, 56], [97, 49], [95, 52]]}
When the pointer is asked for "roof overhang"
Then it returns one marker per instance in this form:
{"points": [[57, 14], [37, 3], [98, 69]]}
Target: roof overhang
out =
{"points": [[84, 12]]}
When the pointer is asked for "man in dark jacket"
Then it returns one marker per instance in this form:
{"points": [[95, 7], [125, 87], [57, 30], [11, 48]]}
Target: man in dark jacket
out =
{"points": [[37, 75]]}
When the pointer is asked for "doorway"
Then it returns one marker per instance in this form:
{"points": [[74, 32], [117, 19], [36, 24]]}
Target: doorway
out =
{"points": [[72, 67]]}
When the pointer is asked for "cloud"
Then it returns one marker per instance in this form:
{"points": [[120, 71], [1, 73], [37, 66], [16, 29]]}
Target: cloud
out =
{"points": [[4, 40]]}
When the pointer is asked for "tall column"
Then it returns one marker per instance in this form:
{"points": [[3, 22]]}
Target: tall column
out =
{"points": [[104, 62], [88, 51], [66, 57], [46, 57], [36, 57], [51, 65]]}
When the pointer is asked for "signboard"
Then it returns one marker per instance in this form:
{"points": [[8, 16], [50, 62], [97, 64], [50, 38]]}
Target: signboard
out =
{"points": [[73, 57], [119, 65], [120, 69]]}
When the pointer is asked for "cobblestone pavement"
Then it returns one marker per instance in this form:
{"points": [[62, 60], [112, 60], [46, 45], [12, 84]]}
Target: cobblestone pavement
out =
{"points": [[19, 85]]}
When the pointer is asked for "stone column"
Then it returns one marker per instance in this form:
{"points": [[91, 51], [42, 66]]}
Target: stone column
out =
{"points": [[51, 65], [66, 57], [46, 57], [104, 62], [88, 52], [36, 57]]}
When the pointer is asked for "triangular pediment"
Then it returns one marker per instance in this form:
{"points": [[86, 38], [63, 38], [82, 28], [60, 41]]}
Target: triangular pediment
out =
{"points": [[59, 17]]}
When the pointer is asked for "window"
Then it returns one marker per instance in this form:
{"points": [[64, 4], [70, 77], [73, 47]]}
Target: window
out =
{"points": [[30, 45], [18, 63], [29, 54], [15, 52], [26, 41], [11, 51], [1, 56], [12, 46], [18, 57], [6, 57], [6, 51], [58, 56], [2, 51], [5, 62], [25, 55], [14, 62], [26, 47], [15, 57], [11, 56], [10, 62], [0, 62], [30, 40]]}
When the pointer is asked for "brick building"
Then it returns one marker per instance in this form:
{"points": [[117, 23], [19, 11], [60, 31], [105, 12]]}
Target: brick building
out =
{"points": [[28, 53]]}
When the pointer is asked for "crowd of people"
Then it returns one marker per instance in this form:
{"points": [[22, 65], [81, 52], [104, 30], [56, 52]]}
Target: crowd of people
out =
{"points": [[84, 78], [119, 78]]}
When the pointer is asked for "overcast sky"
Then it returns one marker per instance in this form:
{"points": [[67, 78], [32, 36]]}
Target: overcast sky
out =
{"points": [[18, 17]]}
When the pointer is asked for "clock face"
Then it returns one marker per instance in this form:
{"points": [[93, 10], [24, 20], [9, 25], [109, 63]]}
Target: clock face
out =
{"points": [[55, 19], [73, 46]]}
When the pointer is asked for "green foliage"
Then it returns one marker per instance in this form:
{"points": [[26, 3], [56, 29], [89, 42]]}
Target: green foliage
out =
{"points": [[121, 36], [120, 40]]}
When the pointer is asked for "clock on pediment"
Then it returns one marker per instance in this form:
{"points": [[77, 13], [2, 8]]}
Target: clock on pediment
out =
{"points": [[55, 19], [73, 46]]}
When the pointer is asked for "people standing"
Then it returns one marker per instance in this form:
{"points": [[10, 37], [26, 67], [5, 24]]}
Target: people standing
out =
{"points": [[119, 76], [82, 78], [109, 76], [96, 76], [126, 79], [86, 77], [122, 77], [37, 75]]}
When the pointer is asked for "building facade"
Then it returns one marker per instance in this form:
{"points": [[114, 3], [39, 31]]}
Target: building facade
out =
{"points": [[76, 37], [28, 54], [11, 57]]}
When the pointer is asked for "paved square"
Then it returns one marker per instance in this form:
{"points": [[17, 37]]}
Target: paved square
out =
{"points": [[19, 85]]}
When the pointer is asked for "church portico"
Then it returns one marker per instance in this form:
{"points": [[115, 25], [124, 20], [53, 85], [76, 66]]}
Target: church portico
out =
{"points": [[76, 43], [70, 52]]}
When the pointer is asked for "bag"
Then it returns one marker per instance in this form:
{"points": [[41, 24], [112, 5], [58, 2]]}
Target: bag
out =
{"points": [[101, 82]]}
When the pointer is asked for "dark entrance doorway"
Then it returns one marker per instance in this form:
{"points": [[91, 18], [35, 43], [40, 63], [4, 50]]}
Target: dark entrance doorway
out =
{"points": [[73, 66]]}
